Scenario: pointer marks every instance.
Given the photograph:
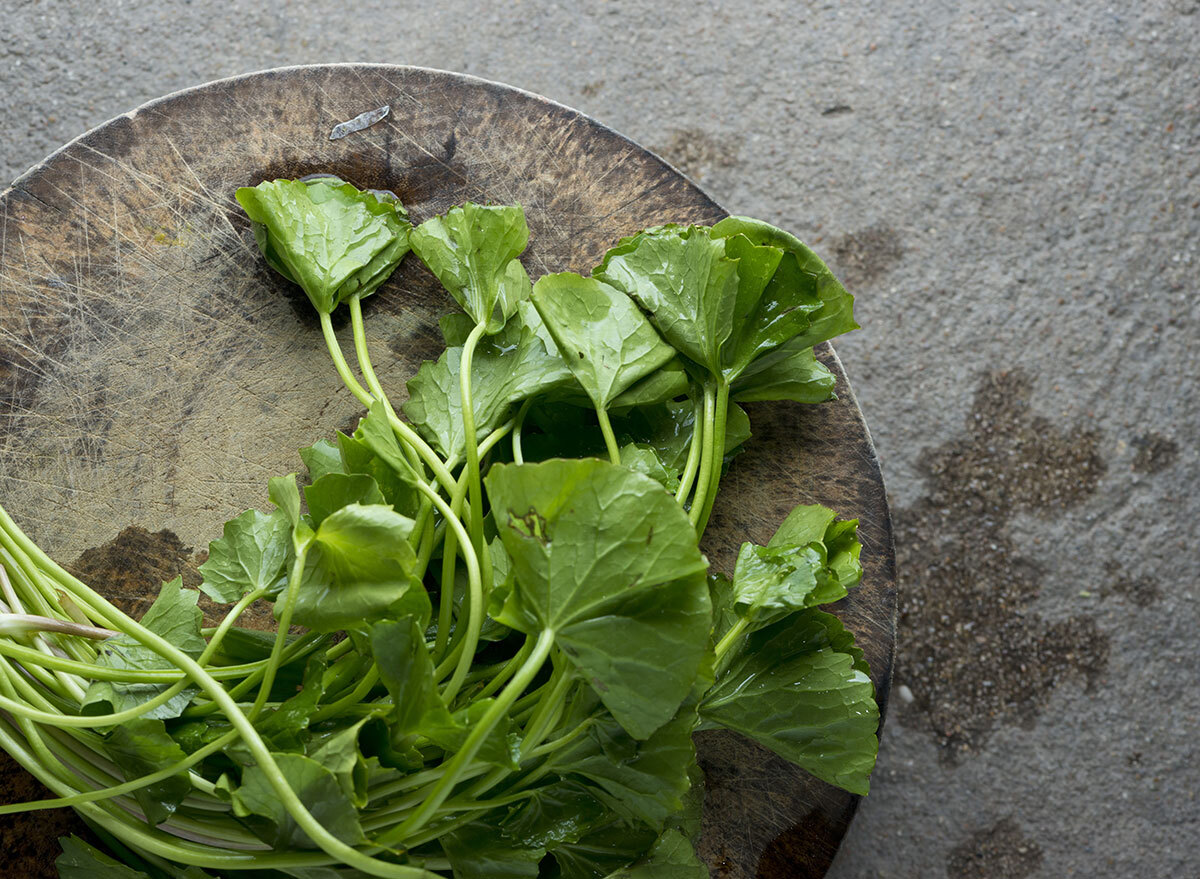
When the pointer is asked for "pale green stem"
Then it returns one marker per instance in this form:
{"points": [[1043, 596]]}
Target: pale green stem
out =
{"points": [[706, 457], [454, 767], [610, 441], [693, 458]]}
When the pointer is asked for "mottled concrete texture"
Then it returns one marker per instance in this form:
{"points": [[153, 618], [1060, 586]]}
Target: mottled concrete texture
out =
{"points": [[1011, 190]]}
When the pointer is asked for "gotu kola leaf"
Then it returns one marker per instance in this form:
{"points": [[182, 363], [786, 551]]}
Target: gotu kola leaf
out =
{"points": [[359, 568], [250, 555], [683, 279], [603, 556], [472, 249], [333, 240], [798, 270], [603, 338], [506, 369], [799, 688], [317, 788], [175, 617]]}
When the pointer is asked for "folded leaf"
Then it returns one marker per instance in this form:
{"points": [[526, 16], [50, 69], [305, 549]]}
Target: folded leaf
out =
{"points": [[683, 279], [769, 580], [836, 312], [339, 753], [770, 311], [333, 240], [284, 725], [668, 430], [671, 857], [798, 687], [450, 731], [799, 376], [661, 386], [604, 852], [642, 781], [604, 340], [320, 458], [336, 490], [407, 671], [644, 459], [249, 556], [813, 523], [316, 787], [599, 551], [359, 568], [558, 813], [472, 249]]}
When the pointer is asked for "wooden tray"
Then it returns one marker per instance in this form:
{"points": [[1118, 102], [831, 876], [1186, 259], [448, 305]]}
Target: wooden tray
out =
{"points": [[154, 373]]}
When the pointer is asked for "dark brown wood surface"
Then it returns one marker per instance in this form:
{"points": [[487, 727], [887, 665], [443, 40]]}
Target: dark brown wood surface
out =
{"points": [[154, 373]]}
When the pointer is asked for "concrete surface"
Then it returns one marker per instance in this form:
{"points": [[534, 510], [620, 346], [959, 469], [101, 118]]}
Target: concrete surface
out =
{"points": [[1011, 190]]}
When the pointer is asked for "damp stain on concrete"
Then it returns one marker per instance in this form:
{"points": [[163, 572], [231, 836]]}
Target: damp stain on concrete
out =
{"points": [[697, 153], [1154, 453], [1001, 851], [971, 651], [863, 257]]}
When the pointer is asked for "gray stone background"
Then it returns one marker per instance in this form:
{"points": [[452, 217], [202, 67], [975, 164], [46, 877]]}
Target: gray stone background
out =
{"points": [[1011, 191]]}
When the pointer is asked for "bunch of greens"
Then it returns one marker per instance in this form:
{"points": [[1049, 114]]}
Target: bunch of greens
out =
{"points": [[508, 632]]}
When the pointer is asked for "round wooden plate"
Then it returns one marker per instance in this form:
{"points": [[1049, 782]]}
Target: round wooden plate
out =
{"points": [[154, 373]]}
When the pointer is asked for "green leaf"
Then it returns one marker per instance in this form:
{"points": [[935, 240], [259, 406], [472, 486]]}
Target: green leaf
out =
{"points": [[599, 553], [284, 493], [672, 857], [778, 299], [814, 523], [284, 725], [506, 370], [660, 386], [770, 579], [799, 264], [339, 753], [668, 430], [140, 747], [477, 851], [798, 687], [450, 731], [472, 249], [603, 338], [333, 240], [799, 376], [374, 451], [316, 787], [644, 459], [320, 458], [604, 851], [336, 490], [811, 560], [683, 279], [555, 814], [642, 781], [359, 568], [249, 556], [176, 618], [82, 861], [406, 670]]}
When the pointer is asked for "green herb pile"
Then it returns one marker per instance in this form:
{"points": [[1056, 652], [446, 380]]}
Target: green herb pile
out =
{"points": [[496, 629]]}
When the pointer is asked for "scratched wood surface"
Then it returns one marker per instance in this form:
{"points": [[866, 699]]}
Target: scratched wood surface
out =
{"points": [[154, 373]]}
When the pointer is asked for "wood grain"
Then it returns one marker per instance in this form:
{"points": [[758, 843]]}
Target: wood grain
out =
{"points": [[154, 373]]}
